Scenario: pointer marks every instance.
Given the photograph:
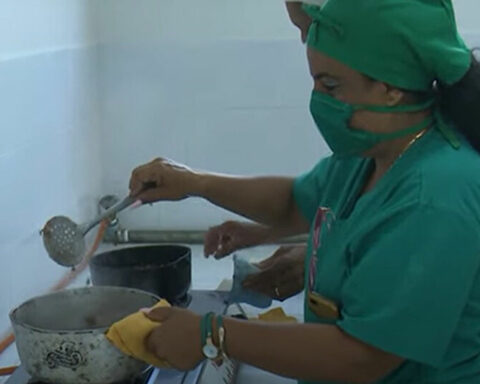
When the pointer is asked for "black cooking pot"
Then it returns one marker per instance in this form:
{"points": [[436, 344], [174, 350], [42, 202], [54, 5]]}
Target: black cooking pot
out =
{"points": [[165, 270]]}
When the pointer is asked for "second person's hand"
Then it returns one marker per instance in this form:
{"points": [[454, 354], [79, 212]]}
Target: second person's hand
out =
{"points": [[231, 236]]}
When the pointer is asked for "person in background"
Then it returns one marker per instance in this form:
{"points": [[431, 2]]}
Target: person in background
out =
{"points": [[299, 17], [392, 268]]}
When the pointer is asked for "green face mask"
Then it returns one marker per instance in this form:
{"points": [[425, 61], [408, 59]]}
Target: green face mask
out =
{"points": [[332, 118]]}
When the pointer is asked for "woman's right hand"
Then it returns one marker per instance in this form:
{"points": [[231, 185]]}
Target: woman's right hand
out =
{"points": [[172, 181], [231, 236]]}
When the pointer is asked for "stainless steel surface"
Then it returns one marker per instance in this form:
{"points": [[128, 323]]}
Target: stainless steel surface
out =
{"points": [[133, 236], [64, 239], [22, 377], [107, 202], [125, 203], [60, 336]]}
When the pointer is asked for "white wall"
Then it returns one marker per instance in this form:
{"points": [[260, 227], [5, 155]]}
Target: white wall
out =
{"points": [[467, 13], [219, 85], [36, 26], [49, 155], [151, 21]]}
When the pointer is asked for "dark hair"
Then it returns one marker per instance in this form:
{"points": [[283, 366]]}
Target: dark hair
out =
{"points": [[460, 104]]}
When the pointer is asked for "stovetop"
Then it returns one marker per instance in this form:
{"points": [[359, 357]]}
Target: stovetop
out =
{"points": [[201, 302], [20, 376]]}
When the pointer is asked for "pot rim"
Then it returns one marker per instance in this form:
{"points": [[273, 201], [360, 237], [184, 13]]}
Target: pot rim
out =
{"points": [[188, 254], [97, 330]]}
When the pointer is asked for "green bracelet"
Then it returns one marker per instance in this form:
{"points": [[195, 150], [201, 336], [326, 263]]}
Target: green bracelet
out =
{"points": [[219, 321], [209, 331], [221, 335], [203, 328]]}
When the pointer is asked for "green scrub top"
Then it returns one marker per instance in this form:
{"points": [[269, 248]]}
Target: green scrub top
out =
{"points": [[402, 261]]}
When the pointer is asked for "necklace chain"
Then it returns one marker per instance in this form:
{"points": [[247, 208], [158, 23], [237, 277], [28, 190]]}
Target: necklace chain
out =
{"points": [[410, 143], [405, 149]]}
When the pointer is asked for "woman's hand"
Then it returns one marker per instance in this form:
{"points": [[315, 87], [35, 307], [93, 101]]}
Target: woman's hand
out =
{"points": [[172, 181], [177, 340], [299, 18], [282, 275], [231, 236]]}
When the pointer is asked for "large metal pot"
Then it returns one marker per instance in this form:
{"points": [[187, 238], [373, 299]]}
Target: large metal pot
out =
{"points": [[60, 337], [165, 270]]}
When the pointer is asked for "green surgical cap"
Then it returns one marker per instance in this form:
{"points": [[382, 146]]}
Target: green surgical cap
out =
{"points": [[408, 44]]}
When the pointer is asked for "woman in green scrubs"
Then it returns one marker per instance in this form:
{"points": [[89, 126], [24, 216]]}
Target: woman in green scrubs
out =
{"points": [[392, 280]]}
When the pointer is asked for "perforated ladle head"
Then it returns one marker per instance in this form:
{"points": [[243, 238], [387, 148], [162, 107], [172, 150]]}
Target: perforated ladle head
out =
{"points": [[64, 241]]}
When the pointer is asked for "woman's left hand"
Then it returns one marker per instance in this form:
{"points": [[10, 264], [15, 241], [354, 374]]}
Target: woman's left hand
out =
{"points": [[177, 339], [282, 275]]}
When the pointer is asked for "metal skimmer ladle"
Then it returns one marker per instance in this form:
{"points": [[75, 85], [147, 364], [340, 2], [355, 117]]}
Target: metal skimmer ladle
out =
{"points": [[64, 239]]}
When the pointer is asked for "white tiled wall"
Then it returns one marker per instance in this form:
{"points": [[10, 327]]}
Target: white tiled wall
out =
{"points": [[49, 151], [218, 85], [223, 106], [89, 89]]}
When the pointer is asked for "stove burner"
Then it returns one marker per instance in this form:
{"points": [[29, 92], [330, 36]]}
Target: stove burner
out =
{"points": [[142, 379]]}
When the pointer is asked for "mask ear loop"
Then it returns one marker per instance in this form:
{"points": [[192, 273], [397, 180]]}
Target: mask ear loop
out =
{"points": [[399, 108], [440, 123]]}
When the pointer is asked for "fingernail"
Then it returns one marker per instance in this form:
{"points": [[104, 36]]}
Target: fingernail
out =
{"points": [[145, 310]]}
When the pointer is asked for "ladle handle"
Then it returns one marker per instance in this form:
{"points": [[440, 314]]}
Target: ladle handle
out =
{"points": [[125, 203]]}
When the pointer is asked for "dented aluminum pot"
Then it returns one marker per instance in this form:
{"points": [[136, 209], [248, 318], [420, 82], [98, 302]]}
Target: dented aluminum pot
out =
{"points": [[60, 337]]}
